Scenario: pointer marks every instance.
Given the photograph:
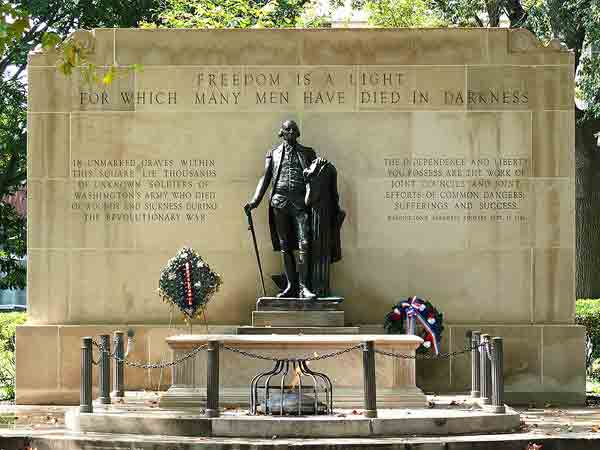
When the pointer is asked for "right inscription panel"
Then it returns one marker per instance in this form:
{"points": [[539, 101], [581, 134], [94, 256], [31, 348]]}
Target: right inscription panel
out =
{"points": [[460, 206]]}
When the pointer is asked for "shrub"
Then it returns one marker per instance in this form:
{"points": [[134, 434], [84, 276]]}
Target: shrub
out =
{"points": [[587, 313], [8, 326]]}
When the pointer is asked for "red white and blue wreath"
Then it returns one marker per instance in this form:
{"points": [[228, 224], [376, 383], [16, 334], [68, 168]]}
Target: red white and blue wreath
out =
{"points": [[428, 321], [188, 282]]}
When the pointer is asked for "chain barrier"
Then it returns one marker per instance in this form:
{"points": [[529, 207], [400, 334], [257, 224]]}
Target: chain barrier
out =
{"points": [[315, 357], [160, 365], [101, 349], [428, 356], [307, 358]]}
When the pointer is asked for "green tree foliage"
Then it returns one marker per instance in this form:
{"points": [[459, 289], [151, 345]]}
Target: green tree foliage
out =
{"points": [[13, 163], [577, 24], [8, 325], [403, 13], [228, 14], [587, 313], [480, 13], [13, 22], [24, 25]]}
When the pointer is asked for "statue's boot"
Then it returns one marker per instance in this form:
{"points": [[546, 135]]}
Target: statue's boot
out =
{"points": [[289, 266], [303, 270]]}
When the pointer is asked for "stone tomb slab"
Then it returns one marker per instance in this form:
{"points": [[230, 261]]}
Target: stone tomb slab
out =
{"points": [[396, 386]]}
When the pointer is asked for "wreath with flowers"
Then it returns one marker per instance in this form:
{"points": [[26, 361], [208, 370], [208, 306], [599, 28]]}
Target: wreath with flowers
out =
{"points": [[429, 322], [188, 283]]}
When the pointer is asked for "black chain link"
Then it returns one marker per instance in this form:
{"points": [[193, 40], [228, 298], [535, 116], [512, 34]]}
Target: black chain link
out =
{"points": [[315, 357], [160, 365], [306, 358], [428, 356]]}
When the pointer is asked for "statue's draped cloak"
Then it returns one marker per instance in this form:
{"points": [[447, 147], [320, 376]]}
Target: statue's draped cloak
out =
{"points": [[327, 218]]}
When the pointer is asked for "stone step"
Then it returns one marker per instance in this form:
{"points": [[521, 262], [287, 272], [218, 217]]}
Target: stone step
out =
{"points": [[298, 318], [298, 330], [300, 304], [344, 424], [96, 441]]}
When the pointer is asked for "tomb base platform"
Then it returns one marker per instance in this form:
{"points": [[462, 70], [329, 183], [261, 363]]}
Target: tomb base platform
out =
{"points": [[396, 387], [138, 422]]}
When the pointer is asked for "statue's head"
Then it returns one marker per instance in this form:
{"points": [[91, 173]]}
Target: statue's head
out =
{"points": [[289, 131]]}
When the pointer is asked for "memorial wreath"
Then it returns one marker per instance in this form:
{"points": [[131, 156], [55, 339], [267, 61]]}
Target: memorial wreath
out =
{"points": [[428, 322], [188, 282]]}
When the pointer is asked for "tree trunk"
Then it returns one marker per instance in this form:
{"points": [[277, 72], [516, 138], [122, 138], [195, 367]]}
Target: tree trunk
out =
{"points": [[493, 11], [587, 206]]}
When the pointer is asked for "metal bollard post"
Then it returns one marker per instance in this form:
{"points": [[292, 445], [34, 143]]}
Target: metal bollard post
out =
{"points": [[370, 382], [104, 381], [486, 372], [475, 365], [118, 371], [212, 379], [497, 375], [85, 386]]}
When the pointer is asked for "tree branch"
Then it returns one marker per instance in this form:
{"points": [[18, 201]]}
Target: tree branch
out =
{"points": [[515, 12]]}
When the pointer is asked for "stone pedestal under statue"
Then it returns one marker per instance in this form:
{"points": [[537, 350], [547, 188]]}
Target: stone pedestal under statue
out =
{"points": [[297, 312], [396, 386]]}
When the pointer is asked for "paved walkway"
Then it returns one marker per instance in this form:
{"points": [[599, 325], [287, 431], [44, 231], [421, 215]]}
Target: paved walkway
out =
{"points": [[540, 426]]}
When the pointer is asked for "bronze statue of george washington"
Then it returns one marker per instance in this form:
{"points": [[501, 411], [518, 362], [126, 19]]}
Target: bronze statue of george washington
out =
{"points": [[291, 215]]}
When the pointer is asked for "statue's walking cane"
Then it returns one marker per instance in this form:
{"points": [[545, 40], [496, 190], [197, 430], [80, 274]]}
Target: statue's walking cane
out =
{"points": [[251, 228]]}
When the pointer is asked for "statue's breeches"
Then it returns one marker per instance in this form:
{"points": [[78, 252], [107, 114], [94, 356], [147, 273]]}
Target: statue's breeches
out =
{"points": [[292, 225]]}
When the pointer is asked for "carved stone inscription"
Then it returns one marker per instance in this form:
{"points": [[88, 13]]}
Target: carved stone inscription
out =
{"points": [[145, 191], [347, 87], [431, 189], [456, 190]]}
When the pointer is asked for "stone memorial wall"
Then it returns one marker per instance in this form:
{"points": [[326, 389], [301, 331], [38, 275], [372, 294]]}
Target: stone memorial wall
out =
{"points": [[455, 153]]}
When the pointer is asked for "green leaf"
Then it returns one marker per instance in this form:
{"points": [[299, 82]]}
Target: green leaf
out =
{"points": [[50, 40], [108, 77]]}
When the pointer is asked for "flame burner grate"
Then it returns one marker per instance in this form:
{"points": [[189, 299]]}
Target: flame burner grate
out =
{"points": [[291, 388]]}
